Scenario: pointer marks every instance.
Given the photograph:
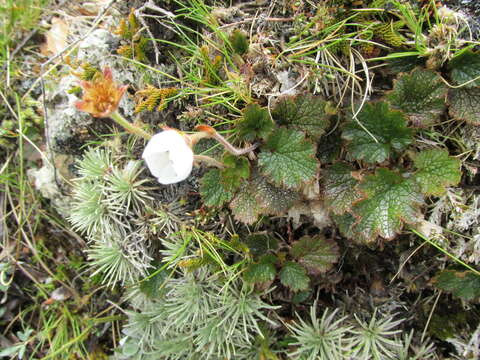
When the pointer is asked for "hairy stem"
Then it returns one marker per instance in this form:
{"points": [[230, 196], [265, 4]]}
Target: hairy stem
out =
{"points": [[208, 160], [208, 131], [133, 129]]}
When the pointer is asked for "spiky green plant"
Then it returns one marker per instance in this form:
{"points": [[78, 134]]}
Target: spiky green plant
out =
{"points": [[124, 188], [320, 338], [422, 351], [119, 261], [108, 198], [219, 319], [376, 339]]}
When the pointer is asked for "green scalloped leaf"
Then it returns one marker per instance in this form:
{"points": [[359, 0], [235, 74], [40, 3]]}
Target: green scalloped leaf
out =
{"points": [[435, 171], [273, 200], [237, 169], [254, 123], [465, 67], [288, 159], [421, 95], [213, 190], [390, 200], [465, 104], [294, 276], [340, 187], [261, 272], [302, 112], [257, 196], [244, 206], [389, 128], [316, 253], [259, 243], [463, 284]]}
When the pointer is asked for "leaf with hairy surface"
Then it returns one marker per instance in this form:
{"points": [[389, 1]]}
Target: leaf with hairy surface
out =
{"points": [[435, 171], [294, 276], [260, 243], [212, 189], [421, 95], [261, 272], [387, 133], [390, 200], [463, 284], [316, 253], [302, 112], [288, 159], [340, 188], [254, 123], [465, 105], [237, 168], [273, 200], [465, 67], [244, 206]]}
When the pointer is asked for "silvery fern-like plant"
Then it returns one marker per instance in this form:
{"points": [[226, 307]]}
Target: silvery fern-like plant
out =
{"points": [[124, 190], [107, 198], [189, 300], [89, 213], [216, 318], [376, 339], [325, 338], [119, 261], [94, 164], [242, 310]]}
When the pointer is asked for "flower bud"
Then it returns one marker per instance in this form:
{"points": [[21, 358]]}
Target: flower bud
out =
{"points": [[169, 157]]}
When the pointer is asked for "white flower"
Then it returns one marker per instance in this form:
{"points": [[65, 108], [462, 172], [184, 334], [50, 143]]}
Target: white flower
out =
{"points": [[168, 157]]}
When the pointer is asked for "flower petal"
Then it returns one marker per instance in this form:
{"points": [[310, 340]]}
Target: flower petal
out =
{"points": [[168, 157]]}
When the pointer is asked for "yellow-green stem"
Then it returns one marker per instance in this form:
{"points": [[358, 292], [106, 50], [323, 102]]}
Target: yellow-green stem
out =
{"points": [[133, 129]]}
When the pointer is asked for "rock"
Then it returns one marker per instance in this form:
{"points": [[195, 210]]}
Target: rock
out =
{"points": [[64, 122], [47, 184]]}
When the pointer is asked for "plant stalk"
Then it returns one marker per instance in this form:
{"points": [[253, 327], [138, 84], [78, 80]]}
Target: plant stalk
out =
{"points": [[133, 129]]}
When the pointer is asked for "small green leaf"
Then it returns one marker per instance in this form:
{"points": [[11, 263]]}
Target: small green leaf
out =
{"points": [[254, 123], [294, 276], [436, 171], [257, 196], [465, 104], [244, 206], [421, 95], [212, 189], [463, 284], [389, 200], [260, 244], [465, 67], [387, 133], [261, 272], [273, 200], [316, 254], [237, 169], [239, 42], [288, 159], [340, 187], [302, 112]]}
